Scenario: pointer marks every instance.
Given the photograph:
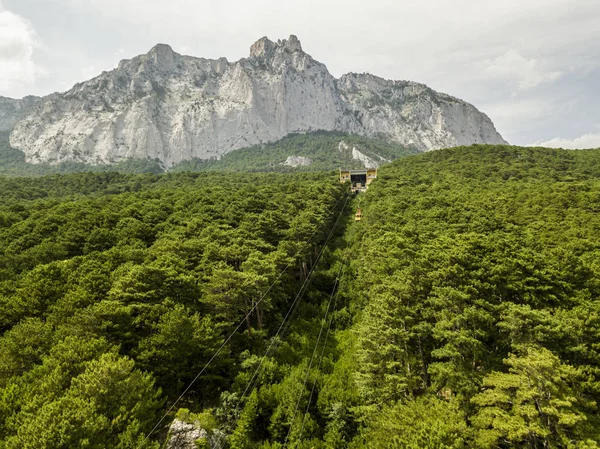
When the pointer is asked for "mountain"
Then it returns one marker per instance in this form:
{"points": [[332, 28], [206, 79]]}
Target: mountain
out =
{"points": [[170, 107]]}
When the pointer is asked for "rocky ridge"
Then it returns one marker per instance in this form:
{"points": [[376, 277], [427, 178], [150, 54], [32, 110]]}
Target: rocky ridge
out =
{"points": [[166, 106]]}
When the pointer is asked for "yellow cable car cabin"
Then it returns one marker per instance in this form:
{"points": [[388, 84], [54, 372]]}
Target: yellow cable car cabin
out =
{"points": [[359, 179], [358, 215]]}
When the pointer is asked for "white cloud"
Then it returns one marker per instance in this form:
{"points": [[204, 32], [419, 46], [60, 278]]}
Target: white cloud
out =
{"points": [[513, 68], [514, 114], [17, 42], [591, 140]]}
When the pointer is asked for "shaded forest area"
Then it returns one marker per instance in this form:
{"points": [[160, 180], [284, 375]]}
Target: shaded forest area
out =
{"points": [[462, 311], [115, 290]]}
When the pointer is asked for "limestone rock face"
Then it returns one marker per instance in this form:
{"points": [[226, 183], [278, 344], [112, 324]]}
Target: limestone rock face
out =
{"points": [[367, 161], [184, 435], [170, 107], [297, 161], [413, 114], [373, 161]]}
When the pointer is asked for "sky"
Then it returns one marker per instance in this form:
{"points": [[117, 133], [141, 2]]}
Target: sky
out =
{"points": [[533, 66]]}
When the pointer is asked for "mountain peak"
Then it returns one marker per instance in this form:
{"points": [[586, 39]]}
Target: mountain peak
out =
{"points": [[264, 47], [292, 43], [163, 55], [172, 107]]}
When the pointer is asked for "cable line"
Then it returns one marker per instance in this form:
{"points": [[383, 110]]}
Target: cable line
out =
{"points": [[242, 322], [254, 378], [336, 293], [312, 391], [311, 359]]}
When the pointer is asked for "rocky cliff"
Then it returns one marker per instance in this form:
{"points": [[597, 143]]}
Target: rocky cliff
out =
{"points": [[172, 107]]}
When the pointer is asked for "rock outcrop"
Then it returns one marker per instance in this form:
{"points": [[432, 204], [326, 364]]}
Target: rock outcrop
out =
{"points": [[297, 161], [184, 435], [166, 106], [190, 435], [359, 156]]}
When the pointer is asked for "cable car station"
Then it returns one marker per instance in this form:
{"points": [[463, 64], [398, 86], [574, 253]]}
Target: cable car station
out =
{"points": [[360, 179]]}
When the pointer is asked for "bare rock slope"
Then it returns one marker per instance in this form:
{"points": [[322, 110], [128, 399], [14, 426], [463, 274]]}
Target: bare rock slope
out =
{"points": [[172, 107]]}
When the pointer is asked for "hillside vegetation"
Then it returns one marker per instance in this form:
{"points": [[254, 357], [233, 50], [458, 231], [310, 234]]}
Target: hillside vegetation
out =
{"points": [[475, 297], [322, 148], [462, 311], [468, 314]]}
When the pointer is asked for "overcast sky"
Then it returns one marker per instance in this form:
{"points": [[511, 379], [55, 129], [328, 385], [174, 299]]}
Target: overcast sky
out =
{"points": [[532, 65]]}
